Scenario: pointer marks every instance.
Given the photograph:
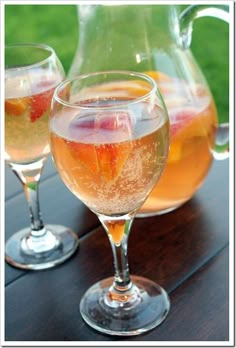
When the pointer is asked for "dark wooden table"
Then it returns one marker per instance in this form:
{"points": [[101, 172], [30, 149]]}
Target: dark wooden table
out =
{"points": [[186, 252]]}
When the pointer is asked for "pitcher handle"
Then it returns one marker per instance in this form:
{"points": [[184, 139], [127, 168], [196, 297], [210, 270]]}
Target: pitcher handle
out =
{"points": [[186, 19]]}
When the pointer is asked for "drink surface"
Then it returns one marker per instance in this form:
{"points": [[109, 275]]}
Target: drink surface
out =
{"points": [[27, 106], [110, 159], [193, 124]]}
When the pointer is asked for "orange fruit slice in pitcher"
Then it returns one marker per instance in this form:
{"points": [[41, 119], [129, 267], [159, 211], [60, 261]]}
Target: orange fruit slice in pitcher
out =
{"points": [[164, 81], [16, 106]]}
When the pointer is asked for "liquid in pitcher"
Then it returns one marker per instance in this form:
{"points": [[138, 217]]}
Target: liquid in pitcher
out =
{"points": [[193, 124]]}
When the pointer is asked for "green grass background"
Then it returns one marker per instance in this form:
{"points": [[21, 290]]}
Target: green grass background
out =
{"points": [[57, 26]]}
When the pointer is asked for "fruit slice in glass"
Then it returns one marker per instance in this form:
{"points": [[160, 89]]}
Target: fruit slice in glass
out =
{"points": [[31, 74]]}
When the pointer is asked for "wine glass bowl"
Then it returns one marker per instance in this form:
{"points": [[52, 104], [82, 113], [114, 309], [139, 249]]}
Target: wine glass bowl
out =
{"points": [[31, 74], [109, 138]]}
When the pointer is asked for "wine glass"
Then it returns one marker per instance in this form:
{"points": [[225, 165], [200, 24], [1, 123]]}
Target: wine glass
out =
{"points": [[32, 72], [109, 138]]}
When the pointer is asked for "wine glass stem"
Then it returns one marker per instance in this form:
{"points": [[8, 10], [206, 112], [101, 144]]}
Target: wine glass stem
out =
{"points": [[39, 239], [122, 293], [122, 280], [31, 193], [118, 233], [29, 176]]}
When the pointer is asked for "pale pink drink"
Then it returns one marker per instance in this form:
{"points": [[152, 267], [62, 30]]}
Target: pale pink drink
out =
{"points": [[110, 148], [26, 116], [193, 126], [107, 159], [31, 74]]}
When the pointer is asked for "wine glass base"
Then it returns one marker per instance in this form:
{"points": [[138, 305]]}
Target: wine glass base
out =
{"points": [[67, 244], [149, 312]]}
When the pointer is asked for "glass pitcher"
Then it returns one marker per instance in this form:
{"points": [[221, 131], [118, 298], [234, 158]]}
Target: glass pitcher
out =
{"points": [[155, 39]]}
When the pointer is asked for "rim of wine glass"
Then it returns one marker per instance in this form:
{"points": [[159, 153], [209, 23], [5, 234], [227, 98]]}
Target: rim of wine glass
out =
{"points": [[149, 79], [35, 45]]}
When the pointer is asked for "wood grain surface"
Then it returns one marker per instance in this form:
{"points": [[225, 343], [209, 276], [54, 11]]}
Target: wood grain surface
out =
{"points": [[185, 251]]}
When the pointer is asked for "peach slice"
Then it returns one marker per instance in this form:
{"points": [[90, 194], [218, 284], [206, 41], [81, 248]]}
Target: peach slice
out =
{"points": [[16, 106], [105, 158], [133, 89], [158, 75], [175, 152], [112, 159], [180, 122], [164, 82], [86, 154]]}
